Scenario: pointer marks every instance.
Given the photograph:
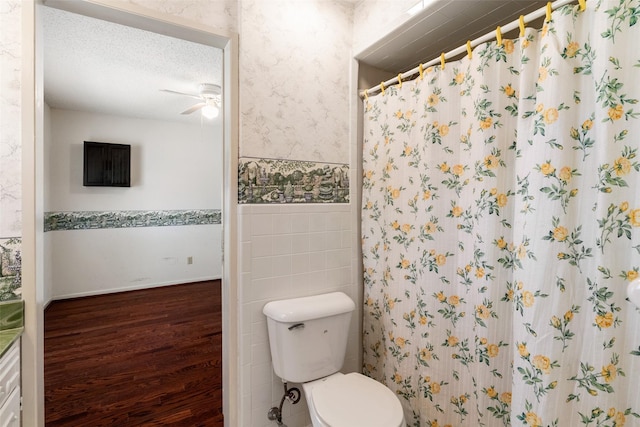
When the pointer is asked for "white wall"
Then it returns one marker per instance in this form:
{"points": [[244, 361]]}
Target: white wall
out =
{"points": [[174, 166], [89, 262], [45, 262]]}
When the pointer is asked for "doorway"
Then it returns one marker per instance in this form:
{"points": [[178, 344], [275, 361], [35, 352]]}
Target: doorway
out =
{"points": [[175, 27], [109, 86]]}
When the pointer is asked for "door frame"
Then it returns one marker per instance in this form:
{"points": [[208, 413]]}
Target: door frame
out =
{"points": [[32, 128]]}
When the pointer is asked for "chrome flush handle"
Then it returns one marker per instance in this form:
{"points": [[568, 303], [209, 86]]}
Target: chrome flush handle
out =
{"points": [[296, 326]]}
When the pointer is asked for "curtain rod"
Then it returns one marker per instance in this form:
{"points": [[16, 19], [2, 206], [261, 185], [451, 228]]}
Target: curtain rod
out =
{"points": [[489, 36]]}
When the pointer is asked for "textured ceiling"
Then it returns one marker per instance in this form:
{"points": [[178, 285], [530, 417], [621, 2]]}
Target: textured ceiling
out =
{"points": [[441, 27], [98, 66]]}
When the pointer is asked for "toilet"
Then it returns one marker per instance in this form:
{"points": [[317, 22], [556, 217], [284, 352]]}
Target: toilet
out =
{"points": [[308, 342]]}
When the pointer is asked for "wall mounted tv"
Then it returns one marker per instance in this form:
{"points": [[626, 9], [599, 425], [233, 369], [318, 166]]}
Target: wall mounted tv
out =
{"points": [[106, 165]]}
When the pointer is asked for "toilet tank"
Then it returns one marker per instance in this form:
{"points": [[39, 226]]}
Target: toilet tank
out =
{"points": [[308, 336]]}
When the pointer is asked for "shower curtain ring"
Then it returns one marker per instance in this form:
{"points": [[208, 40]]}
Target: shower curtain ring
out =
{"points": [[421, 71], [583, 5], [469, 54], [499, 35], [382, 87], [521, 19], [442, 61], [400, 80], [548, 19]]}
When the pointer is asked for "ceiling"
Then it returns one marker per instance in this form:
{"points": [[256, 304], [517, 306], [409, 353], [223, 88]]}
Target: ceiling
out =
{"points": [[442, 26], [98, 66]]}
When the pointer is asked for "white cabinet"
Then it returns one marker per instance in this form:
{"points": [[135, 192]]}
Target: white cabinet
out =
{"points": [[10, 411], [10, 387]]}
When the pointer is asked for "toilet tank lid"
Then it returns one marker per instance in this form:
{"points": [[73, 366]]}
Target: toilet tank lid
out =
{"points": [[308, 308]]}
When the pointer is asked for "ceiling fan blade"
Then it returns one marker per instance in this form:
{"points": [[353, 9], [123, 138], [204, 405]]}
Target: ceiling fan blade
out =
{"points": [[194, 108], [181, 93]]}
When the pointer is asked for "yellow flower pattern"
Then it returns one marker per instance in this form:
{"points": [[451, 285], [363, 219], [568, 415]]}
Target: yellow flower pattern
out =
{"points": [[501, 226]]}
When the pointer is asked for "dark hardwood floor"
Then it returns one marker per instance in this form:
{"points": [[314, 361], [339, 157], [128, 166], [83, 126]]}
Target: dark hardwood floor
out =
{"points": [[141, 358]]}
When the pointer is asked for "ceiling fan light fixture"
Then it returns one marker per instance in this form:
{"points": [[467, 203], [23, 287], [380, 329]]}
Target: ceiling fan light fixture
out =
{"points": [[210, 111], [210, 97]]}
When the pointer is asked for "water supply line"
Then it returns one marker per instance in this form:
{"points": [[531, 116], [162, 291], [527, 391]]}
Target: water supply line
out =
{"points": [[275, 413]]}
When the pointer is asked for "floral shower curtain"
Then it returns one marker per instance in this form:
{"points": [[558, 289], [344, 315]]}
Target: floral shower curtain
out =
{"points": [[501, 227]]}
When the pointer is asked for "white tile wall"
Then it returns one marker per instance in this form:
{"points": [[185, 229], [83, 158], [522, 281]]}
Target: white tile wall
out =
{"points": [[287, 252]]}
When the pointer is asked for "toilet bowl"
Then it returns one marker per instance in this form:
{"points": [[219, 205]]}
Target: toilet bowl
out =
{"points": [[352, 400]]}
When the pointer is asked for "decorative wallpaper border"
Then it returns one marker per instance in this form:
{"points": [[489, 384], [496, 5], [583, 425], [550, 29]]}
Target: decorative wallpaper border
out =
{"points": [[10, 268], [291, 181], [90, 220]]}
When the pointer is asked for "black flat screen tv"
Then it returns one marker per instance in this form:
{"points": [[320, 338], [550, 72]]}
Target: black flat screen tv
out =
{"points": [[106, 165]]}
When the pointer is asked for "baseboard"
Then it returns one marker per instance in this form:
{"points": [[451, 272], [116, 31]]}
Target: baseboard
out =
{"points": [[130, 288]]}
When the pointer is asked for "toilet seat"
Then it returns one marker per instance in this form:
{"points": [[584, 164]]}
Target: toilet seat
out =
{"points": [[354, 400]]}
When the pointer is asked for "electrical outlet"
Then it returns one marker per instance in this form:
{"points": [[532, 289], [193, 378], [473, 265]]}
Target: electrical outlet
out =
{"points": [[189, 260]]}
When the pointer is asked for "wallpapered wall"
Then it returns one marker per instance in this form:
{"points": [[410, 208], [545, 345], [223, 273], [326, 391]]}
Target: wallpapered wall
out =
{"points": [[10, 149], [376, 18], [300, 76]]}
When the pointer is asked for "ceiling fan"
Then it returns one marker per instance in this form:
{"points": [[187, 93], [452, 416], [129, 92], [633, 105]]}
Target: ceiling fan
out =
{"points": [[210, 96]]}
